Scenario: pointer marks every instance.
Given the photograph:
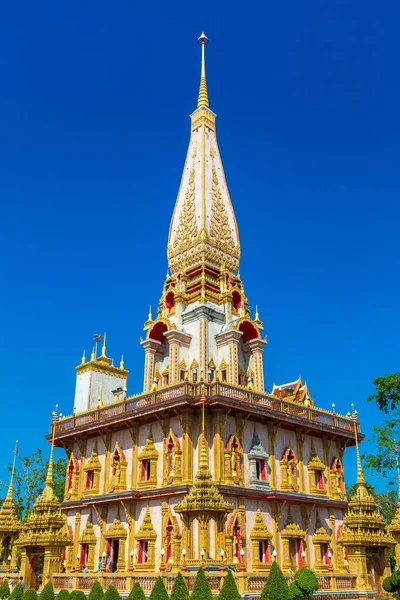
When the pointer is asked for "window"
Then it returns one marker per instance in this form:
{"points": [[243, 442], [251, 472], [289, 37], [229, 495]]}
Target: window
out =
{"points": [[211, 375], [324, 554], [319, 480], [89, 480], [260, 467], [194, 375], [263, 551], [145, 471], [182, 375], [223, 375], [143, 553], [166, 380]]}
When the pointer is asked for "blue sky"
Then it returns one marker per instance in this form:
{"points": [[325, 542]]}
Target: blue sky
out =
{"points": [[94, 115]]}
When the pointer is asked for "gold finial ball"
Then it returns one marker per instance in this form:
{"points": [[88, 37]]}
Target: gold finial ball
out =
{"points": [[203, 39]]}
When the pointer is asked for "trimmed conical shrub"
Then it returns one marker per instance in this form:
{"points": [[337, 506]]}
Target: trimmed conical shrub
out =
{"points": [[159, 591], [17, 592], [77, 595], [96, 593], [136, 593], [179, 589], [47, 592], [4, 590], [276, 587], [111, 593], [62, 595], [307, 582], [229, 590], [294, 591], [201, 588], [32, 595]]}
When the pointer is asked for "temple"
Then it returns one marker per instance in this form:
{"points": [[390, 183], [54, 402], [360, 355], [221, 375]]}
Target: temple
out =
{"points": [[204, 466]]}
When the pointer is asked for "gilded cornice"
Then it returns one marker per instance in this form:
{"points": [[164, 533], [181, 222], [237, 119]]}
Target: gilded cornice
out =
{"points": [[102, 366], [116, 531], [149, 451], [320, 536], [88, 535], [292, 529]]}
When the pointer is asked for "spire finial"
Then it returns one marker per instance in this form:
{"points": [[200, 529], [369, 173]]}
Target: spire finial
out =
{"points": [[203, 95], [84, 357], [360, 474], [10, 487], [257, 316], [93, 356], [104, 347], [150, 316], [49, 477], [122, 363]]}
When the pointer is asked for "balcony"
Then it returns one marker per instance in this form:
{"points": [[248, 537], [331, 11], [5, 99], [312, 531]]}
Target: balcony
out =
{"points": [[224, 395]]}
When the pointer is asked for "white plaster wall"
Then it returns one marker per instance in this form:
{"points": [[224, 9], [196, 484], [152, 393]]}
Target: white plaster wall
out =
{"points": [[106, 383], [82, 392]]}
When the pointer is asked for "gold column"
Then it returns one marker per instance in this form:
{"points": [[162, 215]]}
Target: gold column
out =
{"points": [[82, 445], [333, 542], [276, 511], [272, 432], [134, 433], [107, 446], [219, 421], [300, 437], [77, 535], [257, 346], [203, 362], [151, 347], [187, 445], [327, 448]]}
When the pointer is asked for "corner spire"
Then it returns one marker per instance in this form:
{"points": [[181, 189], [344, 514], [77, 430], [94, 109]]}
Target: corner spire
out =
{"points": [[10, 487], [104, 348], [203, 94], [49, 477]]}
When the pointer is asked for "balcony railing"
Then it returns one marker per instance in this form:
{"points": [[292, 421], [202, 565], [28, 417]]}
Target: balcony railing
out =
{"points": [[246, 582], [215, 392]]}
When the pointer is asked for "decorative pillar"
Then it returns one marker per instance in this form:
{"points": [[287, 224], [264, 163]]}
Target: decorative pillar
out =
{"points": [[77, 531], [107, 447], [327, 444], [272, 433], [176, 339], [333, 541], [134, 433], [276, 512], [256, 347], [186, 420], [300, 437], [82, 445], [151, 348], [219, 421]]}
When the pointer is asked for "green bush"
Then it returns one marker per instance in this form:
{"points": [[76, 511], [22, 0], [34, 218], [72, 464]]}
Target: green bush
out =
{"points": [[96, 593], [47, 592], [179, 589], [159, 591], [387, 585], [276, 587], [77, 595], [395, 581], [136, 593], [62, 595], [294, 591], [4, 589], [111, 594], [32, 595], [17, 592], [229, 590], [306, 581], [201, 588]]}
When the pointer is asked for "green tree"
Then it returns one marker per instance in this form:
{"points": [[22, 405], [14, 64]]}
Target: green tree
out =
{"points": [[63, 595], [179, 589], [77, 595], [159, 591], [4, 589], [276, 587], [306, 581], [32, 595], [137, 593], [294, 591], [112, 593], [387, 396], [96, 593], [47, 592], [201, 588], [229, 590], [17, 592], [29, 479]]}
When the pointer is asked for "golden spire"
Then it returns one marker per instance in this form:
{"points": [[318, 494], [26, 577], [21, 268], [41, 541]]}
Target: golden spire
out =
{"points": [[257, 316], [49, 477], [150, 316], [122, 363], [10, 487], [104, 347], [360, 474], [93, 356], [203, 95], [83, 357]]}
